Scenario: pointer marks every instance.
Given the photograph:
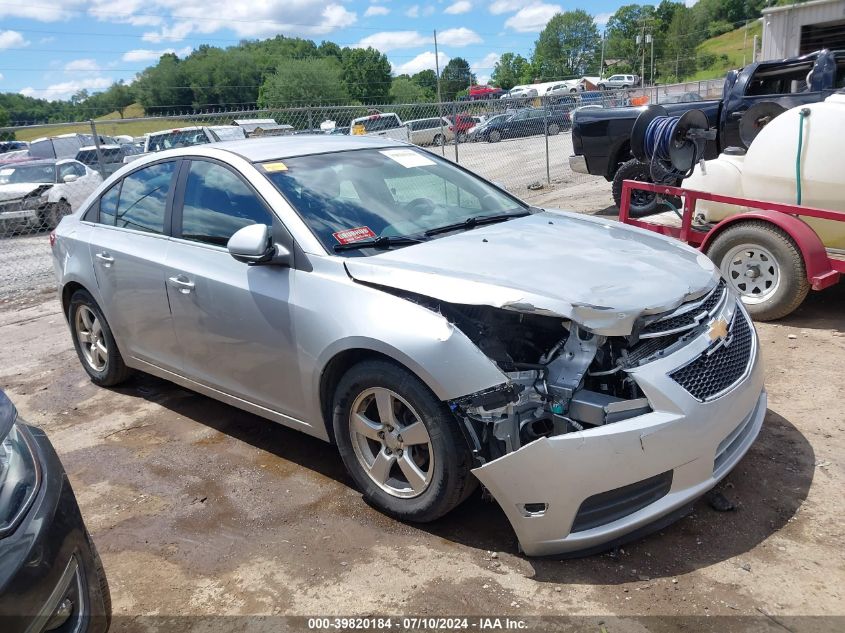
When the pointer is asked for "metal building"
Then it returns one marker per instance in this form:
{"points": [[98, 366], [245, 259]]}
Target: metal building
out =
{"points": [[796, 29]]}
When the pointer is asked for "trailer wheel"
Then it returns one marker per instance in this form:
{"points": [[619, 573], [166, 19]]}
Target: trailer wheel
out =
{"points": [[764, 265]]}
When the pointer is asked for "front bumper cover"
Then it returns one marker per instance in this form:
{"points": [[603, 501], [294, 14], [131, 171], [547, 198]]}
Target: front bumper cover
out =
{"points": [[542, 486]]}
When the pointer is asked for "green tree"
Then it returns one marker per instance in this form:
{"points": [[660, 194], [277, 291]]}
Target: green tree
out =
{"points": [[623, 28], [682, 37], [330, 49], [164, 87], [404, 90], [118, 97], [456, 76], [4, 122], [510, 70], [427, 80], [304, 82], [366, 74], [568, 46]]}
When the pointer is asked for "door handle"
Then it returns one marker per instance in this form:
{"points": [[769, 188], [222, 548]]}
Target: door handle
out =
{"points": [[737, 115], [106, 259], [181, 283]]}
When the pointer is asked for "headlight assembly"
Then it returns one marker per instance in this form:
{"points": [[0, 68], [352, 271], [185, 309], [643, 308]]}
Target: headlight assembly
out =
{"points": [[20, 476]]}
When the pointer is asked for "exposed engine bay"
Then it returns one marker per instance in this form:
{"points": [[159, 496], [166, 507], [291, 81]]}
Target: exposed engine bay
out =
{"points": [[562, 377]]}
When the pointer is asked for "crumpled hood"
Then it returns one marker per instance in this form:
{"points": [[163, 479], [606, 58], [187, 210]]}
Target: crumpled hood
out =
{"points": [[601, 274], [18, 190]]}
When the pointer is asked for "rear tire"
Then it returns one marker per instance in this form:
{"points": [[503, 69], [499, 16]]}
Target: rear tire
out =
{"points": [[554, 129], [391, 400], [438, 140], [764, 265], [643, 203], [94, 342]]}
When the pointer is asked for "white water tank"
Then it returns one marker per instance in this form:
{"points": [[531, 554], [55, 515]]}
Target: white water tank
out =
{"points": [[767, 171]]}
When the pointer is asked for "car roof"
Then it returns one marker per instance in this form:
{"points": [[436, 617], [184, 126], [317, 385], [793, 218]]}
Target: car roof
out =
{"points": [[271, 147], [39, 162]]}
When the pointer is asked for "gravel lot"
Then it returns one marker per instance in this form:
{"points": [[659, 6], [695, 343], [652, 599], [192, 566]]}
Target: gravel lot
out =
{"points": [[201, 509]]}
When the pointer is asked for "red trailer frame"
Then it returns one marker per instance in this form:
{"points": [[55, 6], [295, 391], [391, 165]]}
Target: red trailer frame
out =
{"points": [[822, 270]]}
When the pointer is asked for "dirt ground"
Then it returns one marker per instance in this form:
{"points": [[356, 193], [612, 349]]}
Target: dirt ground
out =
{"points": [[200, 509]]}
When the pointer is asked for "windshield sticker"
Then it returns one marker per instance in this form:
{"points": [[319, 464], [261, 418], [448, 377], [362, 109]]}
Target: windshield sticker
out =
{"points": [[354, 235], [271, 167], [408, 157]]}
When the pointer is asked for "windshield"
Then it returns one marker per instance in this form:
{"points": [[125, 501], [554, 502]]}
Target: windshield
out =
{"points": [[364, 194], [28, 174]]}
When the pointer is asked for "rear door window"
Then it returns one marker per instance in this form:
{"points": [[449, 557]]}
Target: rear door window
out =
{"points": [[143, 198]]}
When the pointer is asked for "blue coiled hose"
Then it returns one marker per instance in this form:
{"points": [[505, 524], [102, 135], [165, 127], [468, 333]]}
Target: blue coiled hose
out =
{"points": [[658, 136]]}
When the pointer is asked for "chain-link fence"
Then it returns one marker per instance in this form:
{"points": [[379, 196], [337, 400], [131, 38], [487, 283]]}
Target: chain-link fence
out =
{"points": [[520, 144]]}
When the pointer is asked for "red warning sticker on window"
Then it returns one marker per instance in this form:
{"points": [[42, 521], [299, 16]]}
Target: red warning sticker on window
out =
{"points": [[354, 235]]}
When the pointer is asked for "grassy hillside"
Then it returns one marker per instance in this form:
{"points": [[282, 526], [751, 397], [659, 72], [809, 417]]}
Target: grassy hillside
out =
{"points": [[132, 128], [726, 51]]}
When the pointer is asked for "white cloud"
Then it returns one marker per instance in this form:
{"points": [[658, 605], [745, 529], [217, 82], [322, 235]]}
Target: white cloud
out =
{"points": [[375, 10], [462, 6], [246, 19], [484, 67], [83, 65], [423, 61], [602, 18], [413, 11], [12, 39], [506, 6], [533, 18], [67, 89], [392, 40], [147, 55], [43, 10], [458, 37], [1, 76]]}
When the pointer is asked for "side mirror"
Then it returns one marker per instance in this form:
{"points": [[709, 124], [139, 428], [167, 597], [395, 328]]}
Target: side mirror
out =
{"points": [[253, 244], [70, 178]]}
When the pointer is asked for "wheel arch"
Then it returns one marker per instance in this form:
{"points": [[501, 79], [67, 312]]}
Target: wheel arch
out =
{"points": [[819, 272], [68, 289], [620, 154]]}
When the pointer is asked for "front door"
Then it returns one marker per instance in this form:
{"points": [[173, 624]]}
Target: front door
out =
{"points": [[232, 320]]}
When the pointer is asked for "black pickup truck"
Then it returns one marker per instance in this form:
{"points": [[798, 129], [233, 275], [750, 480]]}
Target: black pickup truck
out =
{"points": [[601, 136]]}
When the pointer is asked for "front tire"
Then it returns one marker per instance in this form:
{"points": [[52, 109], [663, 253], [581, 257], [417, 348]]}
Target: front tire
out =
{"points": [[764, 266], [554, 129], [400, 444], [494, 136], [53, 214], [94, 342]]}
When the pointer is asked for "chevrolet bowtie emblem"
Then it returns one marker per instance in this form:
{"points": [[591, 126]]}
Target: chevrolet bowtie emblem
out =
{"points": [[718, 329]]}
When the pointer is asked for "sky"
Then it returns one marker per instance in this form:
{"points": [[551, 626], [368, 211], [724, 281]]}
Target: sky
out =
{"points": [[53, 48]]}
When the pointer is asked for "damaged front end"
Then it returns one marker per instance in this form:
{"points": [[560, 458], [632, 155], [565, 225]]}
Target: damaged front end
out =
{"points": [[563, 378], [593, 438]]}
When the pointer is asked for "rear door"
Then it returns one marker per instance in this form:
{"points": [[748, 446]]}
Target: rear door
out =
{"points": [[232, 320], [128, 247]]}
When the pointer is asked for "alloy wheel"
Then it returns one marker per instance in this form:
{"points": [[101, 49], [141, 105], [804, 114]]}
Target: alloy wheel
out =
{"points": [[391, 443], [89, 333]]}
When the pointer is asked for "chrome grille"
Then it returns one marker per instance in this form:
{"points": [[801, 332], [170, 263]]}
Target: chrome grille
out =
{"points": [[687, 316], [721, 365]]}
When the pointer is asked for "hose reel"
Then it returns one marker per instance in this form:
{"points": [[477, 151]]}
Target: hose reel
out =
{"points": [[674, 143]]}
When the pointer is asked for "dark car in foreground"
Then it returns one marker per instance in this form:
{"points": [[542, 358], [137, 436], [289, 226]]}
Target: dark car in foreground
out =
{"points": [[51, 577], [526, 122]]}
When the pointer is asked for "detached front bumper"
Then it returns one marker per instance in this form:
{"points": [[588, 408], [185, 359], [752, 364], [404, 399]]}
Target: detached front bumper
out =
{"points": [[580, 491]]}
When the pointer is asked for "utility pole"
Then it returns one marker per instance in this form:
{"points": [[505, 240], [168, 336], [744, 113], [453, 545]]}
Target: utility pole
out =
{"points": [[650, 39], [601, 65], [754, 51], [641, 42], [744, 44]]}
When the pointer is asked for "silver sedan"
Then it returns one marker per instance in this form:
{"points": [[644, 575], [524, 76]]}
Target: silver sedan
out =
{"points": [[595, 378]]}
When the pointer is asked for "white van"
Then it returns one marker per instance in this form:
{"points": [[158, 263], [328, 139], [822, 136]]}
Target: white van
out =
{"points": [[386, 124]]}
